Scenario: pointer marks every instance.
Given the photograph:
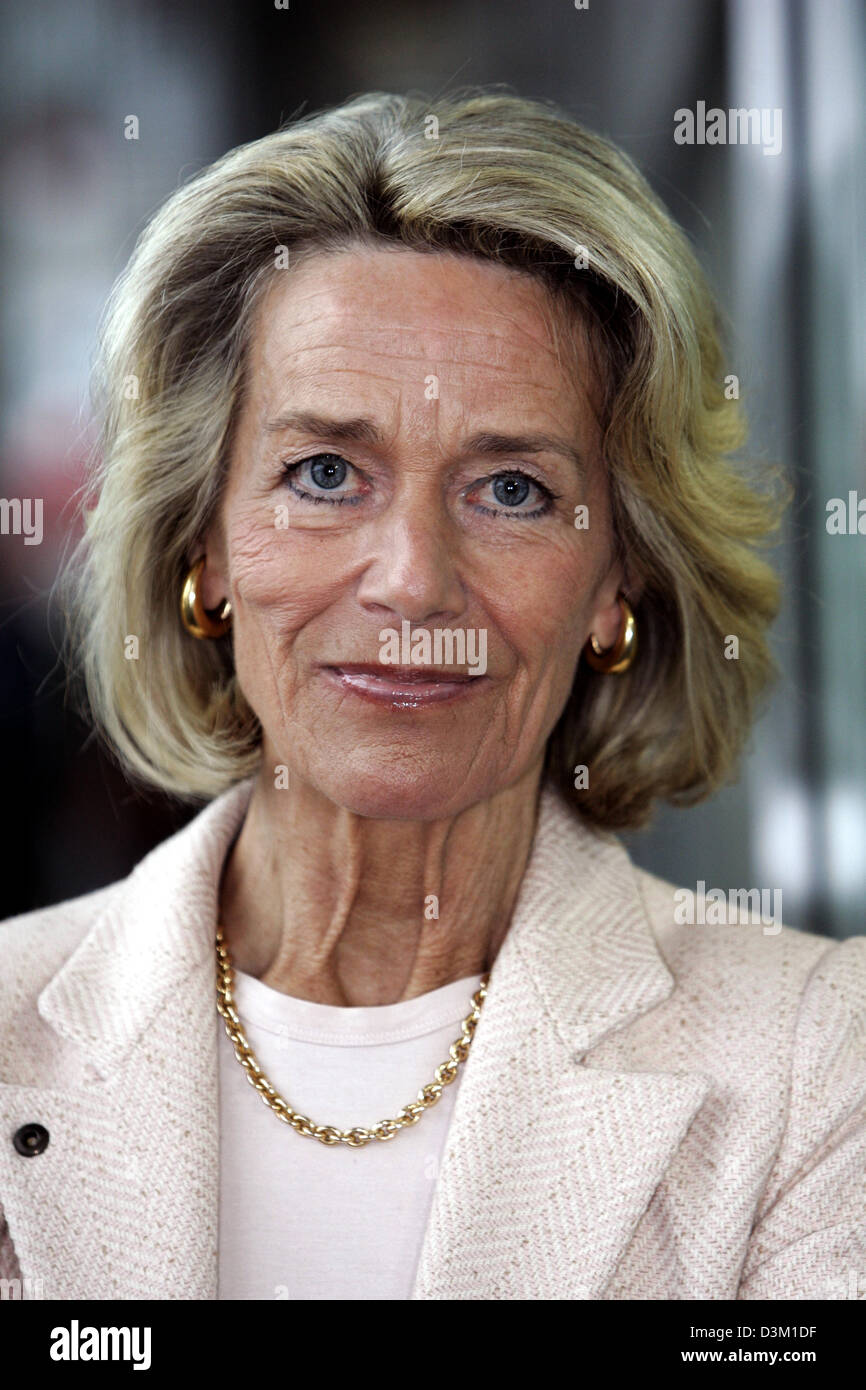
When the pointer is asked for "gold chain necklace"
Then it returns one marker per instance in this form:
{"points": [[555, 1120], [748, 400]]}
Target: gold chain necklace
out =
{"points": [[329, 1134]]}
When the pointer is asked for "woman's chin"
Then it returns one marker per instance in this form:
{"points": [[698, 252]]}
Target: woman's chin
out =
{"points": [[379, 796]]}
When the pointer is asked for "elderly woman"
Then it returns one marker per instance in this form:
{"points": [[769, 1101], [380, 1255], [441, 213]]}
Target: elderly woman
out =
{"points": [[415, 550]]}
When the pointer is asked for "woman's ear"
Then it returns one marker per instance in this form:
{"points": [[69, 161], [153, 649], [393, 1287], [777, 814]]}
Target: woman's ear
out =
{"points": [[607, 613], [607, 618], [213, 586]]}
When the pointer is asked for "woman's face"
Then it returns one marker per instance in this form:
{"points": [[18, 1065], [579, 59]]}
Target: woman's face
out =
{"points": [[408, 460]]}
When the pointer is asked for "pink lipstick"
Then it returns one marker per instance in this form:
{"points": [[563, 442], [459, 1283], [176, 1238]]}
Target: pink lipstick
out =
{"points": [[403, 687]]}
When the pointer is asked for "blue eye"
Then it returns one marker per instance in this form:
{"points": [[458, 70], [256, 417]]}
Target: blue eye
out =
{"points": [[328, 471], [312, 478], [511, 490]]}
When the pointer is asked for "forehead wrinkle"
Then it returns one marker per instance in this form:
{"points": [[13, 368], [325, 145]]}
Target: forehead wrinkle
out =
{"points": [[453, 372], [401, 331], [427, 362], [441, 319], [434, 323], [514, 321]]}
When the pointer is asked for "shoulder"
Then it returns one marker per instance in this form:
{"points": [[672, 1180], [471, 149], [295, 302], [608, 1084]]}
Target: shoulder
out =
{"points": [[732, 962], [34, 945], [739, 961]]}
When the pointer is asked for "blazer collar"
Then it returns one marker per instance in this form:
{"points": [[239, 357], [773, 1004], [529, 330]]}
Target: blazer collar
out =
{"points": [[550, 1160], [581, 931], [154, 932]]}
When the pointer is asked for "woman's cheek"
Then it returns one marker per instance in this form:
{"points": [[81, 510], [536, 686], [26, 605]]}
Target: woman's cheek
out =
{"points": [[275, 575], [543, 605]]}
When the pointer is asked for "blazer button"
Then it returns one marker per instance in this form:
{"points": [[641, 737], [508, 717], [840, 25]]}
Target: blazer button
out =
{"points": [[30, 1140]]}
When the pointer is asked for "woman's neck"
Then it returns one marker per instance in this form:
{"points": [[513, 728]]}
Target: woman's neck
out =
{"points": [[325, 905]]}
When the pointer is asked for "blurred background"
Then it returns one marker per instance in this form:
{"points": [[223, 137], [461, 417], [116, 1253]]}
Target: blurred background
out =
{"points": [[781, 236]]}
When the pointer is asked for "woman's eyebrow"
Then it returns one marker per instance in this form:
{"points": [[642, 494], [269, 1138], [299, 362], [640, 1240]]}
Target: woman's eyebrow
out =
{"points": [[360, 430], [500, 445]]}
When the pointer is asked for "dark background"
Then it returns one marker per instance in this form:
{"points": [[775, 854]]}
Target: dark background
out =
{"points": [[781, 237]]}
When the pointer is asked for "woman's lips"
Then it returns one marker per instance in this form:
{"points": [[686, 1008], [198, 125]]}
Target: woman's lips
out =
{"points": [[409, 687]]}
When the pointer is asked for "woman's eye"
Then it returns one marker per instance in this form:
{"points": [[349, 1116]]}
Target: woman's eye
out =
{"points": [[331, 479], [512, 493], [321, 478]]}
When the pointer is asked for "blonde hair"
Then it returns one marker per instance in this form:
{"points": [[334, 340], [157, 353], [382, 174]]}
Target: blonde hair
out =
{"points": [[511, 181]]}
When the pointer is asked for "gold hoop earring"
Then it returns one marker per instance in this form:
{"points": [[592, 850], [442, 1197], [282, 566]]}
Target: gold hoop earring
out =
{"points": [[619, 657], [196, 618]]}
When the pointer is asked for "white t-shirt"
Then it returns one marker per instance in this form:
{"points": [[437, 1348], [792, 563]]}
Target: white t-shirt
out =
{"points": [[297, 1219]]}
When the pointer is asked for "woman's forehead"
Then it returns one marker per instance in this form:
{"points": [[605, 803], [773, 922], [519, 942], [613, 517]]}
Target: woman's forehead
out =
{"points": [[408, 318]]}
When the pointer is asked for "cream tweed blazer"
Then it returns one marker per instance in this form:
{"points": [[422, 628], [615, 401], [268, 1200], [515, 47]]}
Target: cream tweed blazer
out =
{"points": [[649, 1110]]}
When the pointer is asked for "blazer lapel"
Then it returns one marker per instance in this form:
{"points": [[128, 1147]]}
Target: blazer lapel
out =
{"points": [[549, 1163], [123, 1201]]}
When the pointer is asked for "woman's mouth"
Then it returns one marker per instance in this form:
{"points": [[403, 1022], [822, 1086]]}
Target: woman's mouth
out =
{"points": [[406, 687]]}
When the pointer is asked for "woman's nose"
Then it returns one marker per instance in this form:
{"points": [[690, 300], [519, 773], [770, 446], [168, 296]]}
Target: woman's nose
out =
{"points": [[412, 572]]}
